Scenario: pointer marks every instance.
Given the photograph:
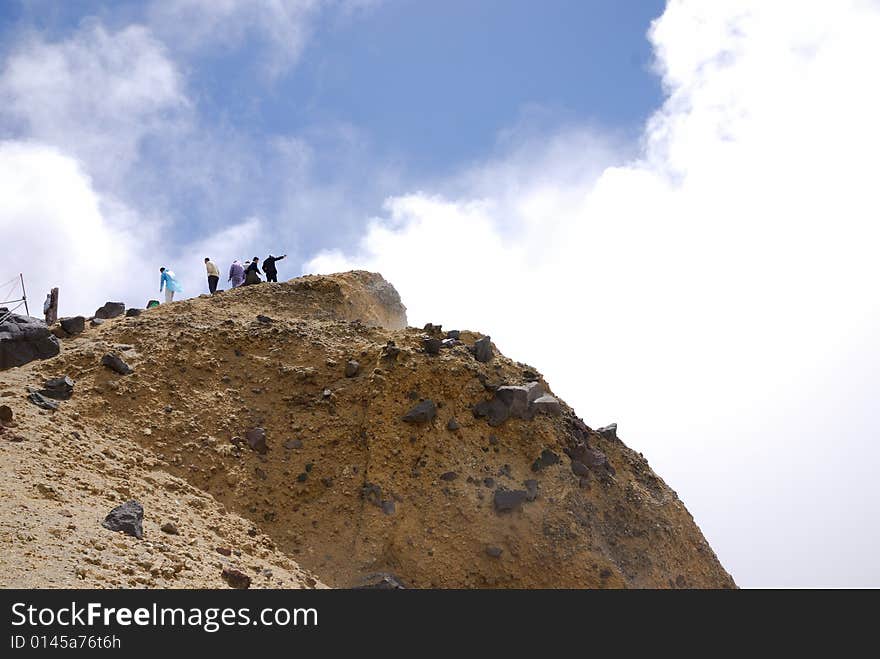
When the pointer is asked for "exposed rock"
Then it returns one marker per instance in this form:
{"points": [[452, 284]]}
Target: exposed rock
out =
{"points": [[483, 349], [96, 322], [133, 312], [352, 368], [508, 500], [74, 325], [578, 468], [449, 343], [40, 400], [170, 528], [547, 404], [116, 363], [6, 414], [128, 518], [256, 439], [24, 339], [609, 431], [421, 413], [110, 310], [455, 335], [58, 388], [236, 578]]}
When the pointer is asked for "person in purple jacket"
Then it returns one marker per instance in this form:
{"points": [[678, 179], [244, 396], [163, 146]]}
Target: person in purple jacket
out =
{"points": [[236, 274]]}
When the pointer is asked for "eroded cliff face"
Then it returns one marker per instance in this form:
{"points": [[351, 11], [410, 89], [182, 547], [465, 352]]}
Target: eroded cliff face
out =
{"points": [[304, 425]]}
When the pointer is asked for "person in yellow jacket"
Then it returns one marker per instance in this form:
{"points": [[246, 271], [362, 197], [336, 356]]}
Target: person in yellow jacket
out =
{"points": [[213, 275]]}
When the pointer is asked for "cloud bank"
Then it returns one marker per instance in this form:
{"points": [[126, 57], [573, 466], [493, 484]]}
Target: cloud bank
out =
{"points": [[715, 294]]}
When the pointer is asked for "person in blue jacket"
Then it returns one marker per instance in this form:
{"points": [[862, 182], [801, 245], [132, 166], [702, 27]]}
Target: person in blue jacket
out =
{"points": [[169, 282]]}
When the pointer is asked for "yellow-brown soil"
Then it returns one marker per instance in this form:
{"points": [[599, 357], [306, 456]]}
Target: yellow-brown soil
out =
{"points": [[346, 490]]}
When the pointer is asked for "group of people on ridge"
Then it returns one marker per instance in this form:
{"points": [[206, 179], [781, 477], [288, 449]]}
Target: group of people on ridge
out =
{"points": [[239, 275]]}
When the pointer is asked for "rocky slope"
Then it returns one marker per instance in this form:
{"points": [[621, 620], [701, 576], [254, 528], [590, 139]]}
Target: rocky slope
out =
{"points": [[302, 428]]}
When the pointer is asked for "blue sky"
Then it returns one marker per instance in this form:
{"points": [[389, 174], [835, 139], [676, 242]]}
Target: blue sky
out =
{"points": [[669, 210], [413, 87]]}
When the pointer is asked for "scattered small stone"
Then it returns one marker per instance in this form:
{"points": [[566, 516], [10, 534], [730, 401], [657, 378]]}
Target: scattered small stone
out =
{"points": [[133, 312], [260, 473], [489, 482], [73, 325], [225, 551], [170, 528], [448, 476], [508, 500], [265, 320], [494, 552], [421, 413], [58, 388], [256, 439], [483, 349], [531, 489], [388, 507], [6, 414], [381, 581], [96, 322], [40, 400], [452, 425], [236, 578], [128, 518], [455, 335], [302, 478], [116, 363], [352, 368], [293, 443], [493, 440], [431, 328], [168, 409]]}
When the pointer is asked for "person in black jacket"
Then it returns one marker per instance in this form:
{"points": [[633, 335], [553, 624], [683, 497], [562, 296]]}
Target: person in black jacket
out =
{"points": [[269, 267], [252, 273]]}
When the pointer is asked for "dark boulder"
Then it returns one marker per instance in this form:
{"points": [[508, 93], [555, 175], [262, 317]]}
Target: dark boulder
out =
{"points": [[128, 518], [421, 413], [133, 312], [609, 431], [73, 325], [110, 310], [116, 363], [483, 349], [6, 414], [508, 500], [546, 459], [452, 425], [494, 411], [256, 439], [548, 405], [431, 345], [453, 334], [24, 339], [516, 399]]}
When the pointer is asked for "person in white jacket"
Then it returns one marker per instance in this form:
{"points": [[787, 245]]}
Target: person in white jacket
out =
{"points": [[213, 275]]}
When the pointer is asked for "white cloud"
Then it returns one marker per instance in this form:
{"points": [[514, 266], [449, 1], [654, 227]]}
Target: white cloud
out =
{"points": [[96, 95], [716, 295]]}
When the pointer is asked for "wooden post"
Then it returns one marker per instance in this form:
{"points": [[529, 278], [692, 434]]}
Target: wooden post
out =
{"points": [[52, 311]]}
